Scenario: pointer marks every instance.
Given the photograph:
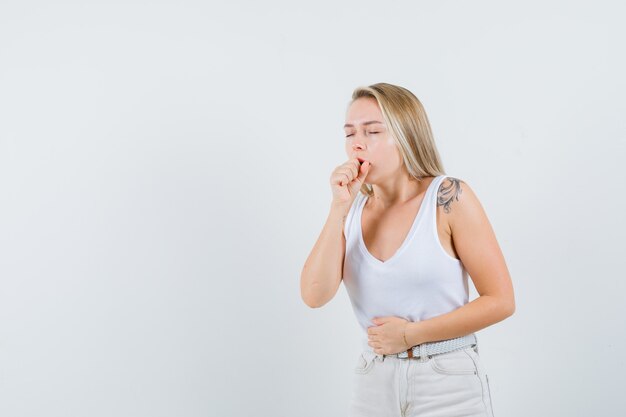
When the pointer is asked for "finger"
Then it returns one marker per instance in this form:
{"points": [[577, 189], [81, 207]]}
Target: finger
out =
{"points": [[363, 171], [352, 168], [357, 165], [345, 179], [341, 178], [342, 169]]}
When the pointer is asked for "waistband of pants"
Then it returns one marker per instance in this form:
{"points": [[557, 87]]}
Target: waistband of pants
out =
{"points": [[438, 347]]}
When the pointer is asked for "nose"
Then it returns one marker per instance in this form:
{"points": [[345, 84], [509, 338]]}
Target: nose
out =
{"points": [[357, 145]]}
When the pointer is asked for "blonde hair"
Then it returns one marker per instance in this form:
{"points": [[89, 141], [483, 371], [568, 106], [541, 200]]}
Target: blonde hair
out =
{"points": [[407, 122]]}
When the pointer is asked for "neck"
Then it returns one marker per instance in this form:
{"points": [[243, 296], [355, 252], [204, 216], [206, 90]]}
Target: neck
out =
{"points": [[396, 192]]}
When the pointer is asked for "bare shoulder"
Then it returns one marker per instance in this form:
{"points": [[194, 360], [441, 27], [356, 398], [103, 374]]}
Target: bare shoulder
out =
{"points": [[449, 191], [456, 202], [475, 242]]}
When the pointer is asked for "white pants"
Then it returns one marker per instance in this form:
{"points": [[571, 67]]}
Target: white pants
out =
{"points": [[451, 384]]}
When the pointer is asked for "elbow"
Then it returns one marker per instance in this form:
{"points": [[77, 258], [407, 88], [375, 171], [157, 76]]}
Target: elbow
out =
{"points": [[307, 295], [509, 308], [310, 303], [502, 307], [317, 293], [314, 305], [314, 301]]}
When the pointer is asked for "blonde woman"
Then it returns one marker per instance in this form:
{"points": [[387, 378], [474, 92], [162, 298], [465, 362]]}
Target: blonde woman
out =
{"points": [[403, 237]]}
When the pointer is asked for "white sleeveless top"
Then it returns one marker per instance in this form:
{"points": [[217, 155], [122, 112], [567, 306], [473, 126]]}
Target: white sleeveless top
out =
{"points": [[420, 281]]}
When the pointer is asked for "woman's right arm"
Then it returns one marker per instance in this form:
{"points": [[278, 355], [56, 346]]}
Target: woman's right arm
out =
{"points": [[323, 269]]}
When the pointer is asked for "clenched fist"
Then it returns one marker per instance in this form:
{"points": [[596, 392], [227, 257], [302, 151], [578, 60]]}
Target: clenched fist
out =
{"points": [[346, 181]]}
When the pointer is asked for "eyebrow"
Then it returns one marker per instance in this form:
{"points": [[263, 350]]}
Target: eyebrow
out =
{"points": [[364, 123]]}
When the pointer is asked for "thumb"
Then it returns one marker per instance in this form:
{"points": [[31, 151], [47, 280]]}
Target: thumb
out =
{"points": [[363, 170]]}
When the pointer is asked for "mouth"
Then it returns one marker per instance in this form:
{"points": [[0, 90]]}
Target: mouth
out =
{"points": [[361, 160]]}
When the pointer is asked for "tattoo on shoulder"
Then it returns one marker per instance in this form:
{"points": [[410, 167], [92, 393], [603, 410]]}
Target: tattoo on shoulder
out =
{"points": [[449, 190]]}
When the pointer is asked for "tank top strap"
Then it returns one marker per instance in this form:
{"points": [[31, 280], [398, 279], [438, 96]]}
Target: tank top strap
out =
{"points": [[431, 197]]}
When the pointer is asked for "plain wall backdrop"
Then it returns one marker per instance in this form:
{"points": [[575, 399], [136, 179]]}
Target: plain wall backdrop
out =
{"points": [[164, 173]]}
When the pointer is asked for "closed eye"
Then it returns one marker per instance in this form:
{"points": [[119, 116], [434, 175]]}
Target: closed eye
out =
{"points": [[371, 133]]}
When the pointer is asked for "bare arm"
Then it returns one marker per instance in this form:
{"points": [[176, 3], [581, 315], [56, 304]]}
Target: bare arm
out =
{"points": [[475, 241], [323, 269]]}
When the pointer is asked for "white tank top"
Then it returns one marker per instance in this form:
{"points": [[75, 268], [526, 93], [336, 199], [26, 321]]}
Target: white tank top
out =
{"points": [[420, 281]]}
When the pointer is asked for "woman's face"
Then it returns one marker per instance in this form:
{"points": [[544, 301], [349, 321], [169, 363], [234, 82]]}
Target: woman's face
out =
{"points": [[368, 139]]}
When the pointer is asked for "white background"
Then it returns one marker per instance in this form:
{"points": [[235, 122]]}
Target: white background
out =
{"points": [[164, 174]]}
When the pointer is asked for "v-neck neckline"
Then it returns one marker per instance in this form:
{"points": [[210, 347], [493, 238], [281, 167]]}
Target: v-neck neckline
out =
{"points": [[409, 235]]}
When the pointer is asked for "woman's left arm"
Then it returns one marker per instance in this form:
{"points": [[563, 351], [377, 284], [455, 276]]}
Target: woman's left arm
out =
{"points": [[476, 244]]}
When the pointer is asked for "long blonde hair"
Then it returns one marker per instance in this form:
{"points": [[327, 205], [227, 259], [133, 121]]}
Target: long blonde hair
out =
{"points": [[406, 119]]}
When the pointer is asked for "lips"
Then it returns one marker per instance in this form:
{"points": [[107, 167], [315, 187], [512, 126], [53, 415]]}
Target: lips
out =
{"points": [[361, 160]]}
